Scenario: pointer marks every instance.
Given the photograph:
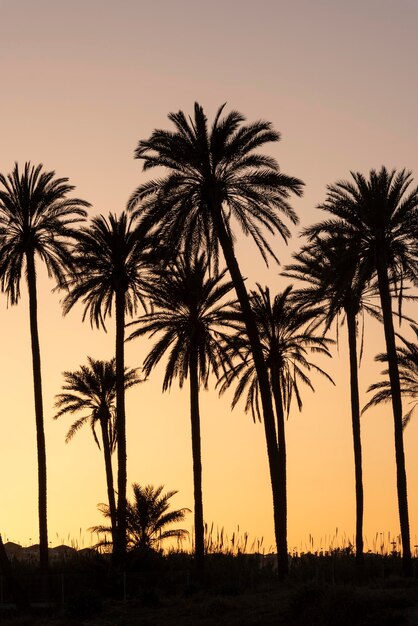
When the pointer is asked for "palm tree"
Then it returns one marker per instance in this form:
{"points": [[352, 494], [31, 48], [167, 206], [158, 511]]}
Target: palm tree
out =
{"points": [[92, 388], [377, 216], [407, 355], [36, 220], [335, 287], [188, 313], [215, 176], [111, 274], [287, 338], [147, 519]]}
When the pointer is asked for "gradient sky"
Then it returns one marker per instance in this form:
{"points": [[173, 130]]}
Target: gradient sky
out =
{"points": [[81, 83]]}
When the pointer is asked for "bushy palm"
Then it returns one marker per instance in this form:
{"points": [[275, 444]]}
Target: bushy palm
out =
{"points": [[147, 519], [377, 218], [288, 339], [214, 176], [187, 317], [37, 222], [92, 389], [111, 262]]}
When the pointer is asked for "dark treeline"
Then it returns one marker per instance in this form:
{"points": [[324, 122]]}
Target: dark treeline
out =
{"points": [[166, 268]]}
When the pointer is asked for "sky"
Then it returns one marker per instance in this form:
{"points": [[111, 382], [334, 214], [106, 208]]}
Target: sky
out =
{"points": [[81, 84]]}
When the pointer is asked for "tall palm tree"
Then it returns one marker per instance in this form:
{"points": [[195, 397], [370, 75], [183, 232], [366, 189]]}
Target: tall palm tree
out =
{"points": [[215, 176], [407, 355], [378, 216], [336, 287], [287, 338], [37, 220], [92, 388], [147, 519], [111, 273], [188, 314]]}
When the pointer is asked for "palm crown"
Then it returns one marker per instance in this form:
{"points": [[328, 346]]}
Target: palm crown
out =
{"points": [[36, 216], [217, 166]]}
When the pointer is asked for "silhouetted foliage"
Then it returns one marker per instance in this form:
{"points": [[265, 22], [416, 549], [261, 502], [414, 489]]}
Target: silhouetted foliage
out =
{"points": [[37, 220], [92, 388], [112, 264], [214, 176], [188, 313], [377, 217]]}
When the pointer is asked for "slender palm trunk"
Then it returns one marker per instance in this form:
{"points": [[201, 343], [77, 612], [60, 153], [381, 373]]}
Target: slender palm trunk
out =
{"points": [[197, 460], [104, 421], [120, 547], [355, 421], [262, 377], [386, 303], [39, 414], [281, 442]]}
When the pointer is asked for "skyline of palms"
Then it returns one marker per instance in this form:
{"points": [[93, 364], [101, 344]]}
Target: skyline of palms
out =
{"points": [[36, 220]]}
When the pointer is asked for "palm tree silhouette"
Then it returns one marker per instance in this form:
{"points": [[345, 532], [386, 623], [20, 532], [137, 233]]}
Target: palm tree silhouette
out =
{"points": [[407, 355], [377, 216], [92, 388], [36, 219], [336, 287], [216, 176], [147, 518], [111, 274], [287, 338], [188, 314]]}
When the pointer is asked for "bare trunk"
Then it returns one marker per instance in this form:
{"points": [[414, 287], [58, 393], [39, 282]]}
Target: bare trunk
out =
{"points": [[197, 460], [262, 376], [355, 420], [282, 495], [39, 416], [386, 304], [107, 454], [120, 547]]}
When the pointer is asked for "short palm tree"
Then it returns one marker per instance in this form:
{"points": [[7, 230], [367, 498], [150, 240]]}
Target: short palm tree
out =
{"points": [[188, 314], [92, 389], [147, 518], [408, 374], [37, 221], [215, 176], [111, 263], [377, 218], [288, 339]]}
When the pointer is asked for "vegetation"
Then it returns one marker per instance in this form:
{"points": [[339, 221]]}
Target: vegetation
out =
{"points": [[37, 220], [188, 312], [168, 257], [92, 388]]}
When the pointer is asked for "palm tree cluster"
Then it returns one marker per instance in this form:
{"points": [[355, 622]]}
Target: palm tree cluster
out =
{"points": [[166, 269]]}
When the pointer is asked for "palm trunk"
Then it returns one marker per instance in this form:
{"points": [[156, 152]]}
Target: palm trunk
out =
{"points": [[120, 547], [39, 416], [197, 460], [109, 474], [355, 420], [386, 303], [281, 436], [263, 381]]}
